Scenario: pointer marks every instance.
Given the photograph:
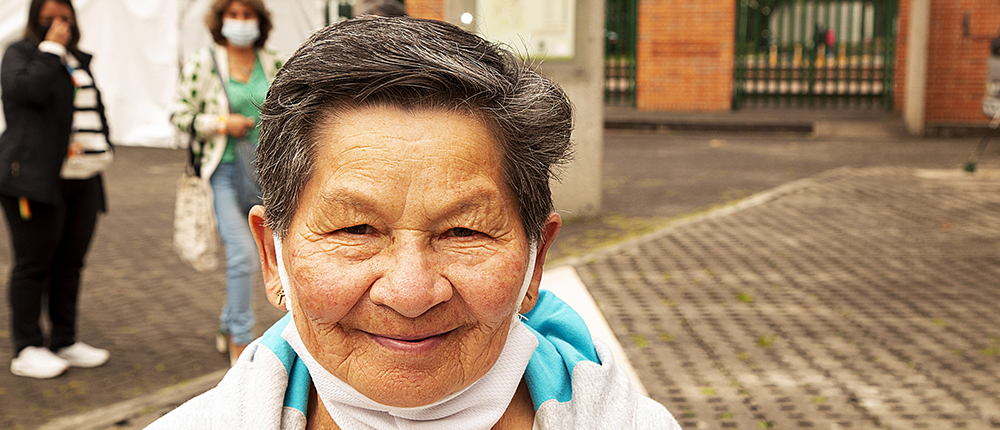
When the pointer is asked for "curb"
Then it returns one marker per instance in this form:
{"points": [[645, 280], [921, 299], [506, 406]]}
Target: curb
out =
{"points": [[729, 209], [762, 127], [120, 414]]}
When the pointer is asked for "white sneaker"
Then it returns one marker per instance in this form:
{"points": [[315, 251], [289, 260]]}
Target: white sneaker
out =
{"points": [[82, 355], [38, 362]]}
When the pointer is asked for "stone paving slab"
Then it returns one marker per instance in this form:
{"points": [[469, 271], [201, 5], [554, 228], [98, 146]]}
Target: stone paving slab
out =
{"points": [[862, 298]]}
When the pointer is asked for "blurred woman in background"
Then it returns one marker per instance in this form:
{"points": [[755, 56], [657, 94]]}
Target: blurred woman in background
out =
{"points": [[51, 105], [221, 88]]}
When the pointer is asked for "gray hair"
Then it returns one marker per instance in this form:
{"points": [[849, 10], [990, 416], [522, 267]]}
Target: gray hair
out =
{"points": [[412, 63]]}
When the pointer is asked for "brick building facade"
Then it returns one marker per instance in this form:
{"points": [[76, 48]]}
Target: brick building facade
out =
{"points": [[685, 55], [956, 69]]}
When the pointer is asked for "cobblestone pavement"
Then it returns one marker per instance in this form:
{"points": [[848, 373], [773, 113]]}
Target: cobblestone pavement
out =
{"points": [[857, 299]]}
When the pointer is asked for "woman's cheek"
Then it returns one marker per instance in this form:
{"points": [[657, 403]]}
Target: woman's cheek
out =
{"points": [[327, 292], [491, 289]]}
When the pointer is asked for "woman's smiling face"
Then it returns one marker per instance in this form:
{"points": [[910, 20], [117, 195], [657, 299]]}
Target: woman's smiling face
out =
{"points": [[406, 253]]}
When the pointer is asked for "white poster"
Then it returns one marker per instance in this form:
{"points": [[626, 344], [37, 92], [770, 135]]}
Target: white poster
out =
{"points": [[536, 29]]}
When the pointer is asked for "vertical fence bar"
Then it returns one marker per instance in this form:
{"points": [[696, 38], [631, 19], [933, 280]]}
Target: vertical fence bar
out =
{"points": [[831, 76], [610, 12], [755, 26], [857, 53], [807, 66], [786, 50], [890, 54], [633, 48], [867, 55], [813, 84], [845, 34]]}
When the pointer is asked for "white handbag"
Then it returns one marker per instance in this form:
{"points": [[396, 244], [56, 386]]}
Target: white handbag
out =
{"points": [[195, 234]]}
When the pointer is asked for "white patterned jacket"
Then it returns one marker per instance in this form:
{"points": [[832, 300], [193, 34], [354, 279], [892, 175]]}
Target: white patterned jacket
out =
{"points": [[201, 99]]}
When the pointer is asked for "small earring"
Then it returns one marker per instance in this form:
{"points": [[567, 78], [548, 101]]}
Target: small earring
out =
{"points": [[528, 295], [281, 297]]}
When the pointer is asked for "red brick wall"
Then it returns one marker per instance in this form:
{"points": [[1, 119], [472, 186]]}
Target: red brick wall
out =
{"points": [[956, 70], [899, 78], [685, 55], [430, 9]]}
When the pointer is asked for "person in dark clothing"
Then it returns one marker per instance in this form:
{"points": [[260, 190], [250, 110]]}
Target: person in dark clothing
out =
{"points": [[51, 107]]}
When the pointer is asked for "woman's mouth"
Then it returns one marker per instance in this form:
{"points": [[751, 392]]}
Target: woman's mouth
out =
{"points": [[416, 344]]}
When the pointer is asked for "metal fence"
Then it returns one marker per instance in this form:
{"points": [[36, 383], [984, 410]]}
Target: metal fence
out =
{"points": [[620, 52], [815, 53]]}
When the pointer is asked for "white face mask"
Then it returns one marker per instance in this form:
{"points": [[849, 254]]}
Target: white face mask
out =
{"points": [[475, 407], [240, 32]]}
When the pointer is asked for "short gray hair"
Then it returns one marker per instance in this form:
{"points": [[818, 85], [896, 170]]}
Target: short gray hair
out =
{"points": [[412, 63]]}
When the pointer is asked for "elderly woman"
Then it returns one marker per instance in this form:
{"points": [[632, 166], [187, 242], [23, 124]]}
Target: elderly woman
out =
{"points": [[405, 169]]}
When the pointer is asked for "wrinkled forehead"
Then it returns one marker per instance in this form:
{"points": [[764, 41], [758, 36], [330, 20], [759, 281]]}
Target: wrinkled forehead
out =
{"points": [[437, 114], [389, 154], [407, 132]]}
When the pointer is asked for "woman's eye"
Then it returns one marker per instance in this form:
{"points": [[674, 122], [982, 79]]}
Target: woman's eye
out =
{"points": [[359, 229], [461, 232]]}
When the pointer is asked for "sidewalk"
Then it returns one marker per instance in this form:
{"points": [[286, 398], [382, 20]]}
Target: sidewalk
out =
{"points": [[856, 298], [859, 123]]}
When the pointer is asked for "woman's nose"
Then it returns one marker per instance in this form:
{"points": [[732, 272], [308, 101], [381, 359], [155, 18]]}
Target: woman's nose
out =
{"points": [[410, 285]]}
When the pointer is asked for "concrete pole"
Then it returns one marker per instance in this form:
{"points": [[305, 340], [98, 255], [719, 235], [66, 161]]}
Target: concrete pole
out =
{"points": [[914, 113], [579, 193]]}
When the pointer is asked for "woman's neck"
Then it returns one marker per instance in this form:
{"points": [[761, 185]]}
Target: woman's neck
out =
{"points": [[241, 62], [243, 53], [520, 412]]}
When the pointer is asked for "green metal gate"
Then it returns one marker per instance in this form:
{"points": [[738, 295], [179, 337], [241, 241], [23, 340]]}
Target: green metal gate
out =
{"points": [[619, 51], [815, 53]]}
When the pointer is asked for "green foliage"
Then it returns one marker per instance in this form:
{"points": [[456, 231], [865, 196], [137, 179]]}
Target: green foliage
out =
{"points": [[640, 341], [765, 340], [744, 297]]}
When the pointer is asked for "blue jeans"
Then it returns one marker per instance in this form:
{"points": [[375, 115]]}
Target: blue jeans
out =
{"points": [[232, 206]]}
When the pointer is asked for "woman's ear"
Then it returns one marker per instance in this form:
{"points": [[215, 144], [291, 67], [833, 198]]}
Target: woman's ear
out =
{"points": [[552, 225], [264, 237]]}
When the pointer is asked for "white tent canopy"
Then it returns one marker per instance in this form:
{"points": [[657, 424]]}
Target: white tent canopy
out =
{"points": [[138, 46]]}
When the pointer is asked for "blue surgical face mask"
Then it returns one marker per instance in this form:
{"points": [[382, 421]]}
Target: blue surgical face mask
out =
{"points": [[241, 33]]}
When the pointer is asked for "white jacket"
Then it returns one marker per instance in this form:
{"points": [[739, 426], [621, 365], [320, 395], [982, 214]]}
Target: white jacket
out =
{"points": [[201, 98]]}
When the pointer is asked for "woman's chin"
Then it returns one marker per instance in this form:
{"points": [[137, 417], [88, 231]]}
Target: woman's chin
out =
{"points": [[407, 395], [419, 372]]}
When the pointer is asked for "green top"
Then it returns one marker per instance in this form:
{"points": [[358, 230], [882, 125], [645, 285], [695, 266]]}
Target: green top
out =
{"points": [[246, 99]]}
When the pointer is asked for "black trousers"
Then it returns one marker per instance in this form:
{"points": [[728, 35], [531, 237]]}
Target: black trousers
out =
{"points": [[49, 252]]}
